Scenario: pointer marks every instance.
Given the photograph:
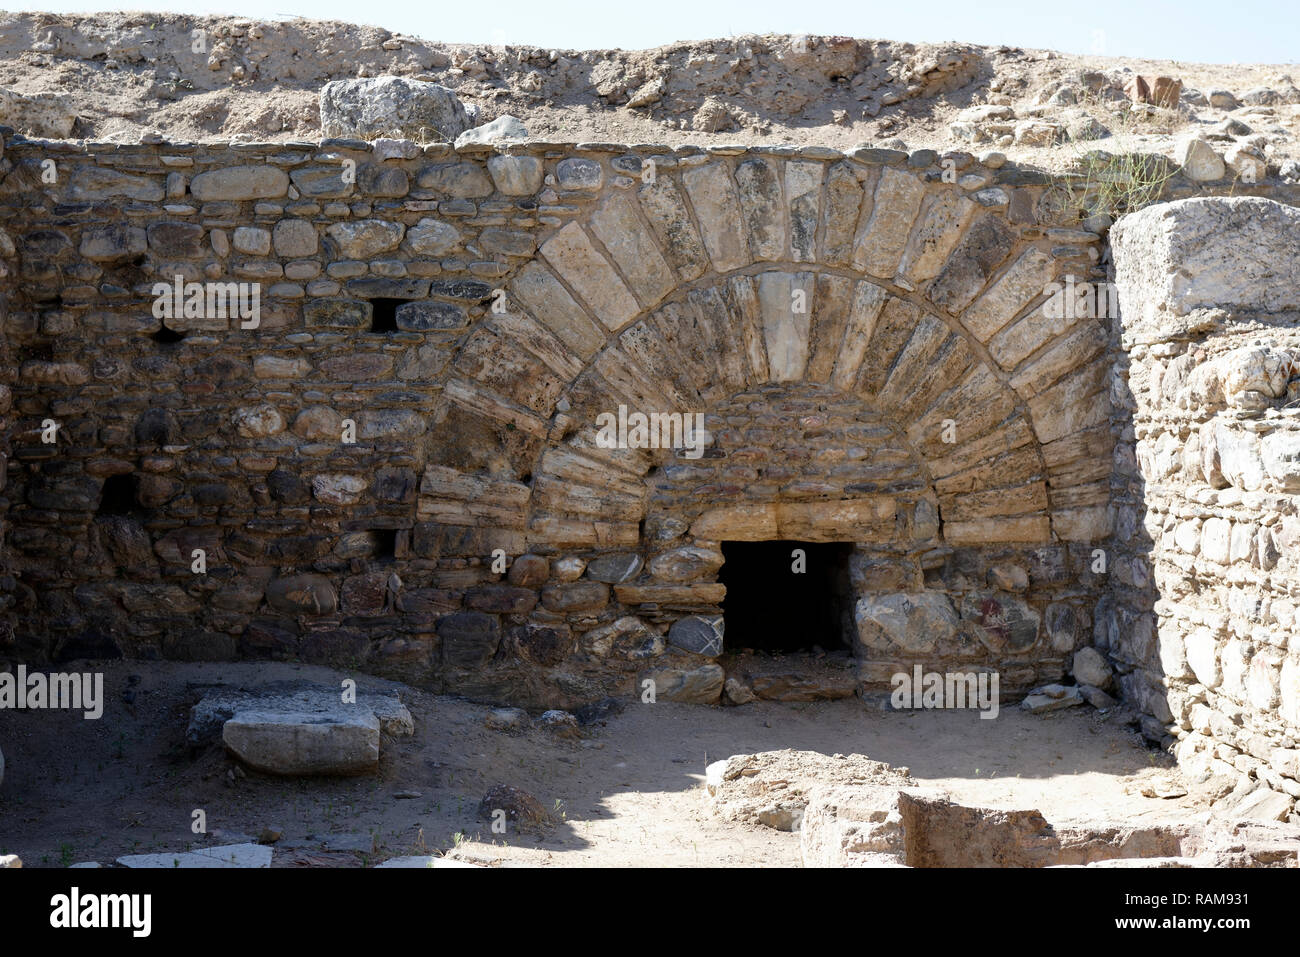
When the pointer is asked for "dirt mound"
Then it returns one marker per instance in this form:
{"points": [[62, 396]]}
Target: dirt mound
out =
{"points": [[772, 788], [196, 78]]}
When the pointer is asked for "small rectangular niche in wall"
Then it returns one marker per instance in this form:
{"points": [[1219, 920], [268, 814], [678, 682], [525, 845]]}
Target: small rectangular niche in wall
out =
{"points": [[391, 544], [787, 596], [385, 544], [118, 496], [383, 314]]}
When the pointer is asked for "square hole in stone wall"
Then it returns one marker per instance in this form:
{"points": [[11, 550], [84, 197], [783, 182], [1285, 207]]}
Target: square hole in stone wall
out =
{"points": [[786, 595], [383, 314], [385, 544], [118, 496]]}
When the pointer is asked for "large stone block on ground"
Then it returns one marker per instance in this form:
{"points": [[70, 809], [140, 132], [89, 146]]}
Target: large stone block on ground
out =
{"points": [[305, 742], [852, 827], [773, 788], [225, 856], [701, 685], [1237, 253], [220, 704], [391, 106], [804, 687], [940, 833]]}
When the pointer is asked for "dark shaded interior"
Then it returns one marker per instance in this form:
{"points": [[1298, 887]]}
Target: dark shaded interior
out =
{"points": [[385, 544], [772, 607], [383, 314], [166, 337], [118, 496]]}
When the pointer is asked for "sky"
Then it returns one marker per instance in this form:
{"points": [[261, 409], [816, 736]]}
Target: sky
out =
{"points": [[1241, 31]]}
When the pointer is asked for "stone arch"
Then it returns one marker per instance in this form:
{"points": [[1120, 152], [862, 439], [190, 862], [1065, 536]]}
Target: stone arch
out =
{"points": [[670, 290], [794, 461], [971, 432], [925, 303]]}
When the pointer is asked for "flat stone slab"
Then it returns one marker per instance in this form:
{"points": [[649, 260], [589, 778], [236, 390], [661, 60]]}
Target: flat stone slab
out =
{"points": [[305, 742], [357, 843], [219, 705], [1052, 698], [227, 856], [425, 860]]}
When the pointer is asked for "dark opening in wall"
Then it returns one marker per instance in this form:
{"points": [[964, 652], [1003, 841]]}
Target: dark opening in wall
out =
{"points": [[385, 544], [35, 352], [772, 605], [118, 496], [383, 314], [167, 337]]}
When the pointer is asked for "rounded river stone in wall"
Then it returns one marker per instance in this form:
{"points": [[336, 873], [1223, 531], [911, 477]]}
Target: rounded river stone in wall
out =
{"points": [[698, 635]]}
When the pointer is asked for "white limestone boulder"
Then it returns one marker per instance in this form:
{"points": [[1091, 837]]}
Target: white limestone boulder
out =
{"points": [[1239, 254], [305, 743], [391, 106]]}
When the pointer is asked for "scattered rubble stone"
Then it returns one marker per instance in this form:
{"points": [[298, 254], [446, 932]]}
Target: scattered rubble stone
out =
{"points": [[520, 807], [500, 130], [1051, 697], [562, 724], [1090, 668], [506, 719]]}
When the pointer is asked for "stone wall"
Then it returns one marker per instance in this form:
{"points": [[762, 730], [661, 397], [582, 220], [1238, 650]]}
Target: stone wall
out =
{"points": [[865, 338], [1202, 615]]}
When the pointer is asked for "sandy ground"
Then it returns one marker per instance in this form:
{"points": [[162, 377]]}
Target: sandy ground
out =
{"points": [[629, 793]]}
